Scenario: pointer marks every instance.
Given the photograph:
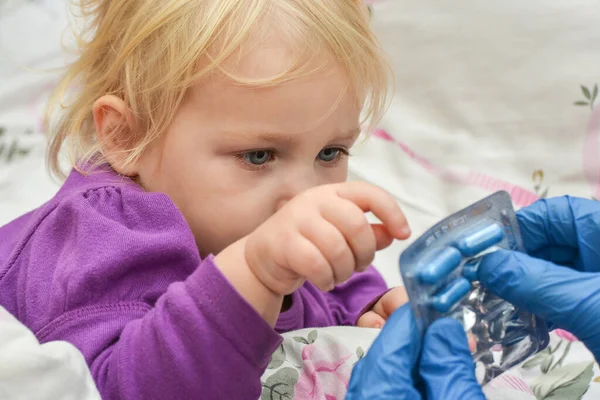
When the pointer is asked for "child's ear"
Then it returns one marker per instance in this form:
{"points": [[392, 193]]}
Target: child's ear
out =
{"points": [[115, 128]]}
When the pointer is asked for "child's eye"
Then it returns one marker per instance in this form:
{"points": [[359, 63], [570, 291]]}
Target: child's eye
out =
{"points": [[331, 154], [258, 157]]}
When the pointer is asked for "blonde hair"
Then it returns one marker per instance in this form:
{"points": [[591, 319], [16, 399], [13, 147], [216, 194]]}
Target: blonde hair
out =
{"points": [[149, 52]]}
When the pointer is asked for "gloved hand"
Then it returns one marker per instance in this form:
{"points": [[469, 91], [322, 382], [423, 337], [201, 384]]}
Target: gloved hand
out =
{"points": [[401, 366], [560, 278]]}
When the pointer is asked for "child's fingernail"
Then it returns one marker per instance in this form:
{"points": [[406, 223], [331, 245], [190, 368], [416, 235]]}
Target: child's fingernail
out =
{"points": [[405, 231], [377, 325]]}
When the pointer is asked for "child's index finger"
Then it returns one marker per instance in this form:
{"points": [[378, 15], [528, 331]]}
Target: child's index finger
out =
{"points": [[371, 198]]}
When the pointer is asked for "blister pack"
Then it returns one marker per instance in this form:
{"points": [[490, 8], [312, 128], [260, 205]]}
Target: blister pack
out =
{"points": [[440, 275]]}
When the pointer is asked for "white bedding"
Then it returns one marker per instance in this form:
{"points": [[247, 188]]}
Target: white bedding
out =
{"points": [[30, 371], [484, 101]]}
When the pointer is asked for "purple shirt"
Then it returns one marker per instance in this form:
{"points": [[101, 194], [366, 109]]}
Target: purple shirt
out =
{"points": [[115, 271]]}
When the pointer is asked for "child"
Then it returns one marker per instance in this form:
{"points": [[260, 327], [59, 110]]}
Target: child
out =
{"points": [[207, 209]]}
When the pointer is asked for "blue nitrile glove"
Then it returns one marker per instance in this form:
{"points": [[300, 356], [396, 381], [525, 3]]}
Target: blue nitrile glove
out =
{"points": [[560, 278], [396, 367]]}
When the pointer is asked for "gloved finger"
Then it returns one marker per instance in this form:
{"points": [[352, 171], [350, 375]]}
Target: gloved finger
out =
{"points": [[561, 255], [548, 222], [568, 298], [566, 222], [447, 367], [386, 372]]}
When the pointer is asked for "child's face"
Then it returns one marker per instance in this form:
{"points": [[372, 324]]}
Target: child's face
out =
{"points": [[234, 155]]}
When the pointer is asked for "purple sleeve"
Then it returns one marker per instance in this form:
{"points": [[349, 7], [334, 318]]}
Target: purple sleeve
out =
{"points": [[355, 297], [151, 319]]}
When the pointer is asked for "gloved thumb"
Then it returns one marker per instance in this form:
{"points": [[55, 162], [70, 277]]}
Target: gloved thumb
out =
{"points": [[447, 367], [568, 298], [386, 372]]}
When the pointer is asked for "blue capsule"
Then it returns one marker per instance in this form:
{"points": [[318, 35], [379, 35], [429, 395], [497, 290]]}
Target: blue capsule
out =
{"points": [[444, 301], [438, 265], [480, 240], [471, 268]]}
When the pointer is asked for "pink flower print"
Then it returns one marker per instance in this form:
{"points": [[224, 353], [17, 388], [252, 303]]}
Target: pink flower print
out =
{"points": [[509, 381], [325, 373], [520, 196], [564, 335]]}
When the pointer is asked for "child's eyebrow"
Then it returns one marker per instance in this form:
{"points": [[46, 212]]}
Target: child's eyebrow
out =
{"points": [[277, 137], [348, 135]]}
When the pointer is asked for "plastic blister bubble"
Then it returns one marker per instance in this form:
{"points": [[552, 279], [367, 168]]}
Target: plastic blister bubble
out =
{"points": [[440, 275]]}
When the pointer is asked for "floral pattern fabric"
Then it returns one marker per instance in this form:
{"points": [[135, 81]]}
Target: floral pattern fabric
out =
{"points": [[315, 364]]}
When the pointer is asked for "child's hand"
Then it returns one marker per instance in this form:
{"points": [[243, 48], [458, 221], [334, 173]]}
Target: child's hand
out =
{"points": [[323, 236], [387, 304]]}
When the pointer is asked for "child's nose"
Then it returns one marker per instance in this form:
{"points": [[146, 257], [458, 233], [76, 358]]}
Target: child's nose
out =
{"points": [[294, 184]]}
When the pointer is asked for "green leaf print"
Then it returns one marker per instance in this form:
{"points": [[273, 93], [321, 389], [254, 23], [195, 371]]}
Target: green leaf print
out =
{"points": [[312, 336], [277, 358], [568, 383], [595, 93], [586, 92], [582, 103], [280, 385], [10, 149], [360, 353], [300, 339], [545, 367], [538, 359], [562, 358], [552, 351], [546, 357]]}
